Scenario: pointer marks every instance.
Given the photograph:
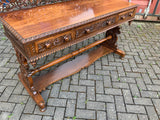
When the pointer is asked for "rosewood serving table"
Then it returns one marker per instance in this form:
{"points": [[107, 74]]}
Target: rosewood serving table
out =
{"points": [[38, 28]]}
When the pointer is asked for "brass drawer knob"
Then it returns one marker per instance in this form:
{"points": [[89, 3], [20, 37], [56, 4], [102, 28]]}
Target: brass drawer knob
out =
{"points": [[48, 45], [109, 22], [66, 38], [131, 14], [88, 30], [123, 17]]}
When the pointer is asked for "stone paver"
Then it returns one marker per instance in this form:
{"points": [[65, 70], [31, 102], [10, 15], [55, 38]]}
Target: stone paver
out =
{"points": [[109, 89]]}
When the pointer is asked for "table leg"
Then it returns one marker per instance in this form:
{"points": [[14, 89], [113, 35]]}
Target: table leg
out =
{"points": [[27, 81], [111, 43]]}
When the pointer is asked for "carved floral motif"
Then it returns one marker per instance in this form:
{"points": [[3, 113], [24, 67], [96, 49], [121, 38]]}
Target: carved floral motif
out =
{"points": [[111, 43], [54, 42], [10, 5]]}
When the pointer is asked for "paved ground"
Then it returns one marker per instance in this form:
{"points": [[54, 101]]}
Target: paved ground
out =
{"points": [[110, 89]]}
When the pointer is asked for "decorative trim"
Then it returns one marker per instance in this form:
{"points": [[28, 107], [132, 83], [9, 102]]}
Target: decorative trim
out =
{"points": [[10, 28]]}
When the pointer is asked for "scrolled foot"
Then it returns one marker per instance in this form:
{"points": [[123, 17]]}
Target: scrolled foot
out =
{"points": [[121, 53]]}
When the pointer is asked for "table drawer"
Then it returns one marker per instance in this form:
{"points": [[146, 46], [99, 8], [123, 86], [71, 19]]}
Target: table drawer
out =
{"points": [[52, 42], [94, 26], [126, 15]]}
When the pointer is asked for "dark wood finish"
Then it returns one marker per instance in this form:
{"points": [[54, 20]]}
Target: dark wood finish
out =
{"points": [[40, 31]]}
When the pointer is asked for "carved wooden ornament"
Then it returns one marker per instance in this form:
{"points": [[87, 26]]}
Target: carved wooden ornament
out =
{"points": [[11, 5]]}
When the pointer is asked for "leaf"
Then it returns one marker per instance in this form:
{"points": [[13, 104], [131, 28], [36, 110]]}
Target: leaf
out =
{"points": [[3, 38], [22, 103], [118, 79], [74, 117], [139, 26], [9, 116], [86, 101], [135, 96]]}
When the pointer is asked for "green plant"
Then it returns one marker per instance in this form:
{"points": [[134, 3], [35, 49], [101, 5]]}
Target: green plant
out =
{"points": [[135, 96], [86, 101], [9, 116], [74, 117], [22, 103], [3, 38], [139, 26]]}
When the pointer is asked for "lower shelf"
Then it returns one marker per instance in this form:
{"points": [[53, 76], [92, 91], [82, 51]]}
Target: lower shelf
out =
{"points": [[69, 68]]}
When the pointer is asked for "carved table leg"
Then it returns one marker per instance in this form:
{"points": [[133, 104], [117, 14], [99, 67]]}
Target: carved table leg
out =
{"points": [[111, 43], [27, 81]]}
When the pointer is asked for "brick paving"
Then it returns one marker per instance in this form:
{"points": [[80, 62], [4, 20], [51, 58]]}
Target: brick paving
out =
{"points": [[110, 89]]}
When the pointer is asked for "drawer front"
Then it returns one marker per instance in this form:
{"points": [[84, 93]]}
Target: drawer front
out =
{"points": [[126, 15], [95, 26], [52, 42], [62, 39]]}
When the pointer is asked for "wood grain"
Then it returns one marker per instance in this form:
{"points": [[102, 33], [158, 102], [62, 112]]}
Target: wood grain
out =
{"points": [[35, 21]]}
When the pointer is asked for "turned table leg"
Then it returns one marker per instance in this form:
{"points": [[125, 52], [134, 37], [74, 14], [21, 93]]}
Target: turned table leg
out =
{"points": [[27, 81], [111, 43]]}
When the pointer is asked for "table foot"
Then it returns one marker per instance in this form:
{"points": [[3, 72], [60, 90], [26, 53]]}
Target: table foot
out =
{"points": [[34, 94], [120, 52], [43, 109]]}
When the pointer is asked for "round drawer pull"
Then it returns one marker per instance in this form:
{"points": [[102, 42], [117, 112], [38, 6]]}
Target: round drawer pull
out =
{"points": [[66, 38], [87, 30], [48, 45], [123, 17], [109, 22], [131, 14]]}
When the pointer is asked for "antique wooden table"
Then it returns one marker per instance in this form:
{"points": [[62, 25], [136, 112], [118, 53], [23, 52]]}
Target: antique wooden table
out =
{"points": [[37, 30]]}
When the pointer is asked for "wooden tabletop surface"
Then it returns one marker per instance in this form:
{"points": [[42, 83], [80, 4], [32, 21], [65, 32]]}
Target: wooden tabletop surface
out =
{"points": [[35, 21]]}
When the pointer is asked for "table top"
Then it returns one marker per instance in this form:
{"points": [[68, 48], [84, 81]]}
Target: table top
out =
{"points": [[44, 20]]}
